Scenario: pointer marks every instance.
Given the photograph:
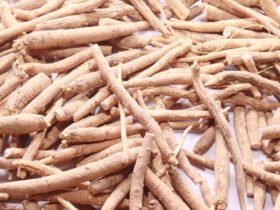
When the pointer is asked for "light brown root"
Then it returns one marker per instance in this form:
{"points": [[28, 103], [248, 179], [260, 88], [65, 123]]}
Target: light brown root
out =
{"points": [[66, 204], [131, 104], [22, 96], [260, 190], [22, 124], [204, 143], [106, 183], [221, 172], [142, 7], [118, 194], [224, 127], [31, 151], [244, 144], [68, 178], [138, 174], [132, 142], [162, 192]]}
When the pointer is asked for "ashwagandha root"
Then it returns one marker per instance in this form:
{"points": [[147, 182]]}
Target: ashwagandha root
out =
{"points": [[185, 191], [18, 29], [91, 104], [243, 141], [66, 112], [183, 48], [52, 135], [154, 203], [22, 96], [263, 121], [199, 160], [159, 80], [235, 32], [197, 37], [7, 61], [90, 121], [79, 36], [196, 10], [22, 124], [75, 124], [205, 141], [42, 100], [97, 134], [130, 42], [266, 177], [252, 128], [31, 151], [161, 90], [131, 67], [254, 79], [106, 183], [173, 115], [163, 192], [270, 132], [139, 171], [54, 54], [66, 204], [145, 11], [82, 197], [259, 57], [178, 8], [61, 66], [39, 103], [210, 27], [274, 194], [85, 172], [79, 150], [50, 6], [84, 19], [253, 14], [11, 84], [36, 167], [225, 93], [223, 125], [221, 171], [6, 164], [223, 44], [118, 194], [7, 18], [270, 9], [259, 191], [132, 142], [159, 168], [124, 96], [271, 166], [216, 14], [14, 152], [187, 167], [207, 69]]}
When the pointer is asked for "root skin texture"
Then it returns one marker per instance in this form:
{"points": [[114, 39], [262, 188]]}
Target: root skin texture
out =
{"points": [[129, 103], [99, 101], [90, 171], [224, 127]]}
